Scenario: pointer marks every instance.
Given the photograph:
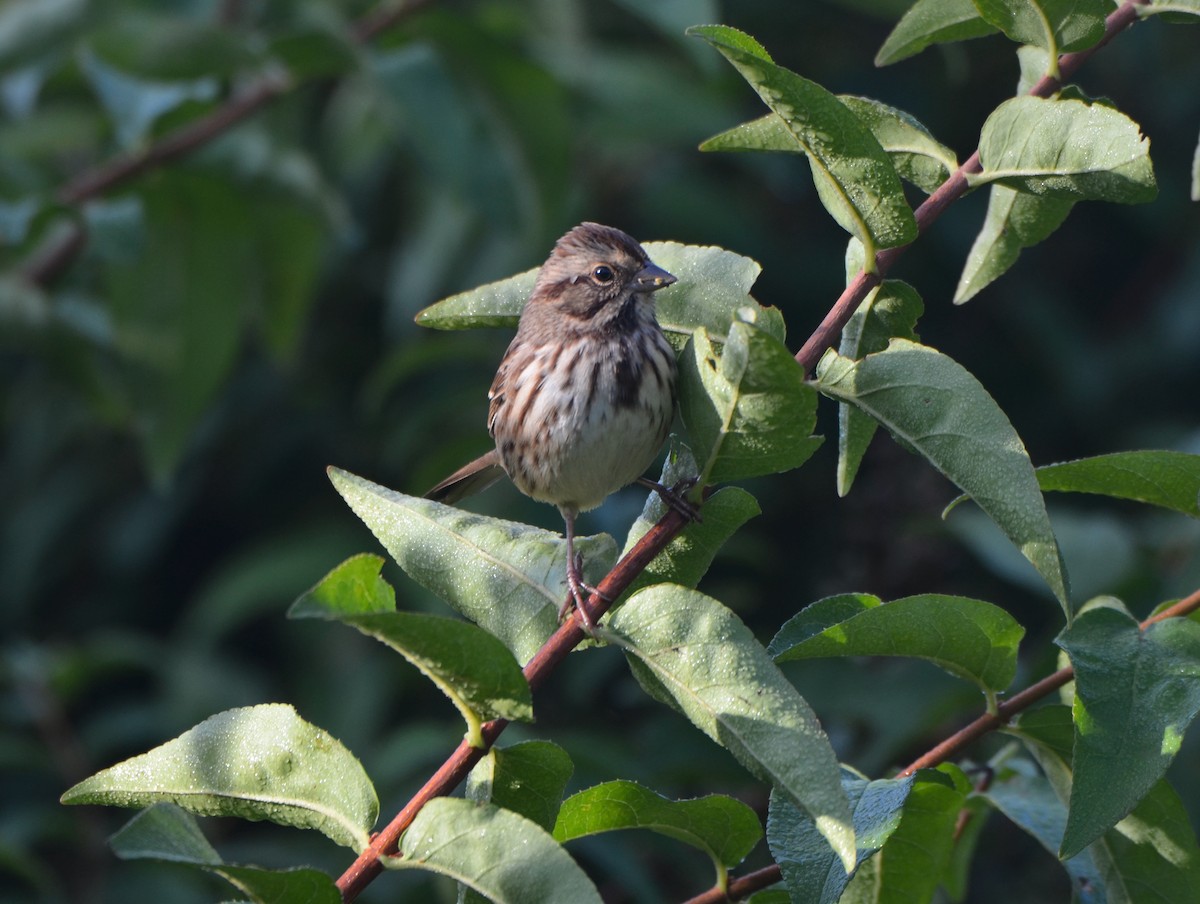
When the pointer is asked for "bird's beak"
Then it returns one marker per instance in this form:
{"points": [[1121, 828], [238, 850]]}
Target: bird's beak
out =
{"points": [[652, 278]]}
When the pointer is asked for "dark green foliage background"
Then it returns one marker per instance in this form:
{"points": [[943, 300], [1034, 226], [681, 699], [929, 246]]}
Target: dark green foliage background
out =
{"points": [[158, 518]]}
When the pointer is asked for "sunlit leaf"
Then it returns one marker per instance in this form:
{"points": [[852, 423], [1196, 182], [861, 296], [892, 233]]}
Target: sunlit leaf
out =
{"points": [[503, 856], [257, 762], [688, 650], [1163, 478], [1056, 26], [1066, 149], [930, 22], [508, 578]]}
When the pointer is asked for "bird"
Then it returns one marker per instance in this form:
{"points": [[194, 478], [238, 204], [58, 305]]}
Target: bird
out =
{"points": [[583, 399]]}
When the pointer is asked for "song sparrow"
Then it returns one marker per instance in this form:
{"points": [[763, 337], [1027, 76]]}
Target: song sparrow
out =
{"points": [[584, 396]]}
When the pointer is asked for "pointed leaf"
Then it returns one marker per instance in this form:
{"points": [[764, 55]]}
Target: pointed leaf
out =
{"points": [[1066, 149], [528, 778], [508, 578], [1136, 692], [810, 869], [714, 286], [853, 176], [1163, 478], [932, 22], [917, 854], [1150, 856], [725, 829], [469, 665], [503, 856], [891, 310], [1026, 797], [748, 411], [915, 154], [257, 762], [932, 404], [1056, 26], [688, 650], [1014, 222], [966, 637], [165, 832]]}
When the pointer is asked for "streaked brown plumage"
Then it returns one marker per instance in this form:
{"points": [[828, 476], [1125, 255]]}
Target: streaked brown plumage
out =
{"points": [[583, 399]]}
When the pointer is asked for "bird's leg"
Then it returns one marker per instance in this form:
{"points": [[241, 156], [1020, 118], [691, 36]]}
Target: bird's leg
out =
{"points": [[676, 496], [575, 583]]}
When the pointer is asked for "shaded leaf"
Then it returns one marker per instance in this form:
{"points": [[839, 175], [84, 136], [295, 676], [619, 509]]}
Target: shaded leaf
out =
{"points": [[1163, 478], [469, 665], [508, 578], [503, 856], [747, 410], [932, 404], [528, 778], [724, 828], [1056, 26], [688, 650], [1066, 149], [932, 22], [1014, 222], [966, 637], [1136, 692], [1026, 797], [853, 176], [810, 869], [165, 832], [891, 310], [256, 762]]}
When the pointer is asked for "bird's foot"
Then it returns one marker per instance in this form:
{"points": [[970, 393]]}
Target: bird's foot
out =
{"points": [[676, 496], [578, 592]]}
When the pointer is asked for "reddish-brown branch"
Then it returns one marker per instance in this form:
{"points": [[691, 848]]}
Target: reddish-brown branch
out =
{"points": [[48, 262], [368, 865], [948, 192]]}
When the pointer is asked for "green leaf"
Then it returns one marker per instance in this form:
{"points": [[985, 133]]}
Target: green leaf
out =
{"points": [[915, 154], [1150, 856], [917, 854], [30, 30], [528, 778], [748, 411], [932, 404], [256, 762], [1136, 692], [688, 650], [469, 665], [713, 288], [503, 856], [725, 829], [1056, 26], [1014, 221], [1171, 7], [688, 556], [508, 578], [853, 176], [1163, 478], [932, 22], [810, 870], [966, 637], [1026, 797], [1066, 149], [919, 158], [165, 832], [891, 310]]}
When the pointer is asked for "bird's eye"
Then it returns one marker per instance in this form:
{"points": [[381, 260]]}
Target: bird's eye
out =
{"points": [[602, 274]]}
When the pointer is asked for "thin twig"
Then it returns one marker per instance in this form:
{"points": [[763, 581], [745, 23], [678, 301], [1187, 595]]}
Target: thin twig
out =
{"points": [[51, 260]]}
